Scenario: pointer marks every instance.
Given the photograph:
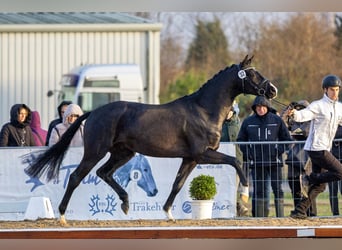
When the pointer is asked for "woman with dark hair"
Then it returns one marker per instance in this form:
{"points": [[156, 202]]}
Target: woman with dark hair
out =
{"points": [[17, 132], [60, 109]]}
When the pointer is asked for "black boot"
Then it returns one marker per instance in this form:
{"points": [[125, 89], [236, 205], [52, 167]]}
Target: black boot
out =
{"points": [[300, 211]]}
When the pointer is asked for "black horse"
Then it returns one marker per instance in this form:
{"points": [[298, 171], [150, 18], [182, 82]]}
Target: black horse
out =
{"points": [[188, 128]]}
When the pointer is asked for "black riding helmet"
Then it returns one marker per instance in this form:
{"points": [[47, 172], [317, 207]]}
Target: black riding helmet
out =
{"points": [[331, 81]]}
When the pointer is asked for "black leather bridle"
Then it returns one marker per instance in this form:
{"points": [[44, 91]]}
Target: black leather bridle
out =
{"points": [[259, 87]]}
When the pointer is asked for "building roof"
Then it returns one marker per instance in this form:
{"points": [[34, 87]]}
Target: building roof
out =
{"points": [[70, 18]]}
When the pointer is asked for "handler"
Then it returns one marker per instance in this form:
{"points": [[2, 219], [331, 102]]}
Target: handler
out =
{"points": [[325, 116]]}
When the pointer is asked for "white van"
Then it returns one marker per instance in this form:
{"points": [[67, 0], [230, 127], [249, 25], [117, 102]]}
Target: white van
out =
{"points": [[94, 85]]}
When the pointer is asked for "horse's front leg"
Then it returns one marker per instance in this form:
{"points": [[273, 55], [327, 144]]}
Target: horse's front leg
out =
{"points": [[105, 172], [214, 157], [184, 171]]}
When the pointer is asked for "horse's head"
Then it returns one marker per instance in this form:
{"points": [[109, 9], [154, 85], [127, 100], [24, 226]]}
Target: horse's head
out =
{"points": [[253, 82], [145, 181], [138, 170]]}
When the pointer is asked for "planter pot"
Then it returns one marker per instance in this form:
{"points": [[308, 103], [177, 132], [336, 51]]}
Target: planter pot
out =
{"points": [[202, 209]]}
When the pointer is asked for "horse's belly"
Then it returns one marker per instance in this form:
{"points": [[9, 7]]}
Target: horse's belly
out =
{"points": [[171, 151]]}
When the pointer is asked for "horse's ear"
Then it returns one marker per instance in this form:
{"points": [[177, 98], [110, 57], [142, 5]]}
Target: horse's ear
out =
{"points": [[250, 59], [246, 61]]}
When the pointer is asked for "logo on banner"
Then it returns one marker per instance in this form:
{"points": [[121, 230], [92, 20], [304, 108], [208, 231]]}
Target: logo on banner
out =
{"points": [[106, 206], [209, 166], [186, 207]]}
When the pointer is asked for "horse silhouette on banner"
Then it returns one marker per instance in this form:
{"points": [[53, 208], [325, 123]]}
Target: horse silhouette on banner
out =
{"points": [[137, 169]]}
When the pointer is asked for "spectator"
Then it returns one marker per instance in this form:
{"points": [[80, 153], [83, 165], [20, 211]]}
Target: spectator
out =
{"points": [[17, 132], [60, 109], [325, 116], [336, 186], [230, 130], [72, 112], [39, 134], [264, 159], [297, 159]]}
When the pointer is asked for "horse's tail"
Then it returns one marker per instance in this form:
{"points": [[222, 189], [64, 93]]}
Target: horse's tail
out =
{"points": [[50, 160]]}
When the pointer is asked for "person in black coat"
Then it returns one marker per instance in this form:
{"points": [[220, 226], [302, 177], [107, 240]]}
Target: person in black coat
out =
{"points": [[265, 159], [17, 132], [336, 186]]}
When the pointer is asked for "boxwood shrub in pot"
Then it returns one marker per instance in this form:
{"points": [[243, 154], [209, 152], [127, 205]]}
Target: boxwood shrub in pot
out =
{"points": [[202, 187]]}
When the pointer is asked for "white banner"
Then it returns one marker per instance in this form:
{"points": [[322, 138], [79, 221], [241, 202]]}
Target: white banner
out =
{"points": [[148, 182]]}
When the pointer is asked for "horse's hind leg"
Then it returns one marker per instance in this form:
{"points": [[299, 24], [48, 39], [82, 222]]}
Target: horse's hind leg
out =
{"points": [[106, 171], [215, 157], [75, 179], [184, 171]]}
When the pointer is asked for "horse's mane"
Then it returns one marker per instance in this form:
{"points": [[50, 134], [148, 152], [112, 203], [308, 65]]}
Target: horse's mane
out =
{"points": [[213, 79]]}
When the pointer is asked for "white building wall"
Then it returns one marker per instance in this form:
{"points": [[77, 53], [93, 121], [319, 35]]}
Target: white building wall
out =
{"points": [[33, 60]]}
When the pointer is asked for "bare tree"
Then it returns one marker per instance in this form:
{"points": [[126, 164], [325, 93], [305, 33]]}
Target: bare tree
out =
{"points": [[295, 50], [297, 54]]}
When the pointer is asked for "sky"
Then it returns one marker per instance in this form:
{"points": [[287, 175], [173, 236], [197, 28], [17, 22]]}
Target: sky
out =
{"points": [[165, 5], [183, 23]]}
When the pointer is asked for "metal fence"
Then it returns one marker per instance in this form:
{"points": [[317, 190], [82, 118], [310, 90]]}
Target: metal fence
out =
{"points": [[274, 170]]}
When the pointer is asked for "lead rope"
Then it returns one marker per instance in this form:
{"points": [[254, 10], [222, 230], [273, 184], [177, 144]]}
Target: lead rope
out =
{"points": [[280, 103]]}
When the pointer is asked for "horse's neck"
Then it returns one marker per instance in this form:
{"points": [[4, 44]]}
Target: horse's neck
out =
{"points": [[218, 94]]}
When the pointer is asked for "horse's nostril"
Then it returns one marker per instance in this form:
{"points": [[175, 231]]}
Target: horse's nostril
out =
{"points": [[155, 192]]}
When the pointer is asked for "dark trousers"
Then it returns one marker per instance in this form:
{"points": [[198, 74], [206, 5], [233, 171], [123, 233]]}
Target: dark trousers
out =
{"points": [[264, 177], [334, 188], [325, 168], [296, 191]]}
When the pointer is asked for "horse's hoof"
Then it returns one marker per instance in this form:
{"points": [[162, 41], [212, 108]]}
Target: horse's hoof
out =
{"points": [[62, 220], [169, 215], [125, 207]]}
